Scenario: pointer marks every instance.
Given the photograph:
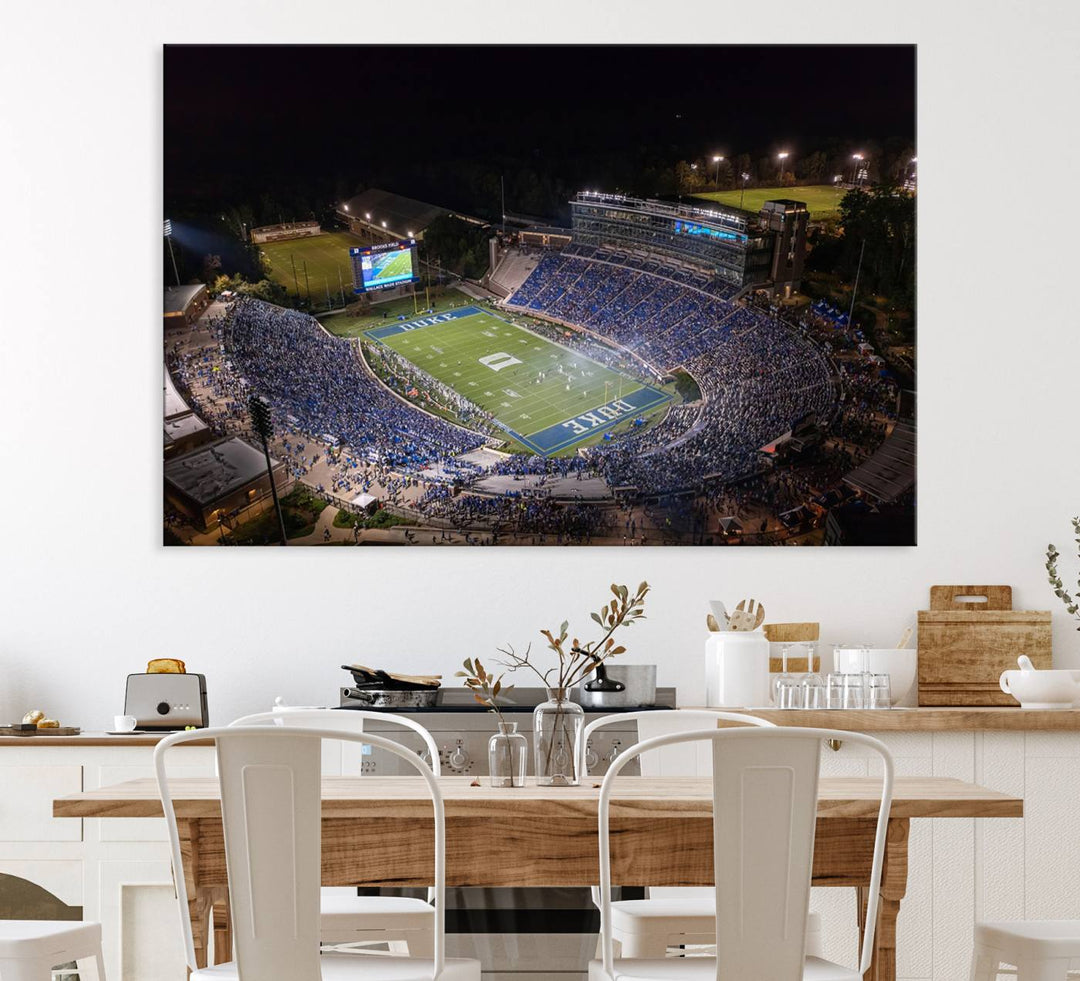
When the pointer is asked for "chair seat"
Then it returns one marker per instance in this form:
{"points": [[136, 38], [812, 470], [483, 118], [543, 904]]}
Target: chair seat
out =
{"points": [[349, 967], [376, 912], [46, 938], [693, 915], [704, 969], [1031, 939]]}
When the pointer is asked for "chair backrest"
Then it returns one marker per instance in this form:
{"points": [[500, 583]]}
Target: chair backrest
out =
{"points": [[347, 720], [765, 791], [271, 809], [671, 761]]}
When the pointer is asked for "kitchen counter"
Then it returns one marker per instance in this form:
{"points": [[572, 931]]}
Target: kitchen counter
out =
{"points": [[923, 719], [88, 739]]}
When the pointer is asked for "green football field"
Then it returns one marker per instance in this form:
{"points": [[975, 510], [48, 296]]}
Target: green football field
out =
{"points": [[823, 200], [534, 387], [321, 262]]}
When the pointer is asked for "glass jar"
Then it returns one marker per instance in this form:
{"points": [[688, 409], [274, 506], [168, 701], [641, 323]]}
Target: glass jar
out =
{"points": [[557, 725], [508, 755]]}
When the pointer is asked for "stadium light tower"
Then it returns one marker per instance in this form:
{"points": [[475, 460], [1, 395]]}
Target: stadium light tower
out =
{"points": [[782, 156], [172, 255], [717, 160], [264, 428], [742, 193], [858, 158]]}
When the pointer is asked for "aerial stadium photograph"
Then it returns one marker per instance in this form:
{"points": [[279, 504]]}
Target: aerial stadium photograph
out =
{"points": [[674, 306]]}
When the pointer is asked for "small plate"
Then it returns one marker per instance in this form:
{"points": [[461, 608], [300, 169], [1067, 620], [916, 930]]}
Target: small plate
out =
{"points": [[126, 732]]}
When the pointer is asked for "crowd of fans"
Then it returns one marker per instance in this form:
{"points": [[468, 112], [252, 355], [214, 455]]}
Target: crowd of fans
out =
{"points": [[317, 383], [757, 376]]}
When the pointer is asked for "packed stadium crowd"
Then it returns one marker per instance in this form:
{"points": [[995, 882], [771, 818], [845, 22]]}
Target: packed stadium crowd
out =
{"points": [[757, 376], [316, 383]]}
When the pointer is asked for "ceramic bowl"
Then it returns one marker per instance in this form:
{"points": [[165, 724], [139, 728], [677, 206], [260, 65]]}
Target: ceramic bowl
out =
{"points": [[900, 664], [1042, 689]]}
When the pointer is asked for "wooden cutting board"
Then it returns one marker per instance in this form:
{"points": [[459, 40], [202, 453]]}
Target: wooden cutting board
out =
{"points": [[964, 646], [60, 731]]}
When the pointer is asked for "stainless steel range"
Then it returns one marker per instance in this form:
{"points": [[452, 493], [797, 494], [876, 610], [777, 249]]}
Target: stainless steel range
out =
{"points": [[527, 934]]}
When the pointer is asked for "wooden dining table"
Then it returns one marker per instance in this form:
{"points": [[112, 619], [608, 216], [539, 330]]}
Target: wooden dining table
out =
{"points": [[377, 832]]}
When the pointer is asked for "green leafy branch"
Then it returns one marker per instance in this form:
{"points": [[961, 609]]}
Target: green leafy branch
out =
{"points": [[1071, 602]]}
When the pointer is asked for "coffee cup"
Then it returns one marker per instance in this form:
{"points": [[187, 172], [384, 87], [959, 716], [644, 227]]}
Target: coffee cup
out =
{"points": [[124, 723]]}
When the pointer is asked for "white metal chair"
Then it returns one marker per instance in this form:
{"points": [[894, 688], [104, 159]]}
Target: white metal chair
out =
{"points": [[271, 810], [30, 949], [675, 916], [1041, 950], [765, 790], [346, 917]]}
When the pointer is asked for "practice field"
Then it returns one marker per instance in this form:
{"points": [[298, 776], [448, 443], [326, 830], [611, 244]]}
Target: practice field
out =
{"points": [[543, 395], [823, 200], [327, 265]]}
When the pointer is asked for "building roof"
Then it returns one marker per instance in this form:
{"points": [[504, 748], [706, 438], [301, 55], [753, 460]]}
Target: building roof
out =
{"points": [[211, 472], [174, 401], [891, 470], [179, 298], [402, 215], [180, 427]]}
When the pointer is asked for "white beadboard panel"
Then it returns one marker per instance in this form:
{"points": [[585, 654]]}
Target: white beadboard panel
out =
{"points": [[839, 923], [849, 760], [915, 925], [953, 896], [26, 803], [912, 744], [1052, 837], [1052, 744], [954, 755], [999, 842]]}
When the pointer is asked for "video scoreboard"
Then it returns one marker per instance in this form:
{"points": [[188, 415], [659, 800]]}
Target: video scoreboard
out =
{"points": [[383, 266]]}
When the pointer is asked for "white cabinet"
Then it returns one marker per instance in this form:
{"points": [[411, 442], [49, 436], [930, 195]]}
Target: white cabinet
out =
{"points": [[26, 803]]}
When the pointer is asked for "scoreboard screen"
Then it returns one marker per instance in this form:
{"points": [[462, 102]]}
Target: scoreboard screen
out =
{"points": [[380, 267]]}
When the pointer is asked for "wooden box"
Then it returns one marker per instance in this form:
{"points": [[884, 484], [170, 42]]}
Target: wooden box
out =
{"points": [[964, 646]]}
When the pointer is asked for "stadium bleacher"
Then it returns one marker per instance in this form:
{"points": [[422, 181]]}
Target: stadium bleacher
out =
{"points": [[756, 375]]}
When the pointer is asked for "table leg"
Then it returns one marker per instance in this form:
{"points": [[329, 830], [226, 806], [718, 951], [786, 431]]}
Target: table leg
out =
{"points": [[222, 921], [208, 905], [893, 889]]}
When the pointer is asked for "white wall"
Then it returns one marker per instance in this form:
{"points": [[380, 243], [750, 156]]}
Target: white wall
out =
{"points": [[89, 595]]}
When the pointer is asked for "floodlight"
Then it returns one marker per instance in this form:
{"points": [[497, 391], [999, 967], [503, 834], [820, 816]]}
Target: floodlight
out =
{"points": [[168, 228], [346, 207]]}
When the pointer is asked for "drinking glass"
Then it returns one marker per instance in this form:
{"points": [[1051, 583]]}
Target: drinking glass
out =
{"points": [[853, 691], [813, 691], [788, 692], [834, 690], [785, 676], [879, 693]]}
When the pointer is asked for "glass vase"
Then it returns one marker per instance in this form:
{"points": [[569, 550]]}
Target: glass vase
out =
{"points": [[508, 755], [557, 725]]}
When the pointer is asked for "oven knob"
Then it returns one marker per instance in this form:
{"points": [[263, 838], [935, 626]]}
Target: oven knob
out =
{"points": [[614, 752], [591, 757], [162, 708], [458, 759]]}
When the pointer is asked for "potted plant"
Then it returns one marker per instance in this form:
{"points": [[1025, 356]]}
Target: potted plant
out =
{"points": [[508, 750], [557, 723]]}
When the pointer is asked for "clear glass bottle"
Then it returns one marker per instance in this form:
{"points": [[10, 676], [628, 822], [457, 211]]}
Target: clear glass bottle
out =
{"points": [[508, 756], [557, 725]]}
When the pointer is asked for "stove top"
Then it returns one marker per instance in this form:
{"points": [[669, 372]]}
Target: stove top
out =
{"points": [[518, 700]]}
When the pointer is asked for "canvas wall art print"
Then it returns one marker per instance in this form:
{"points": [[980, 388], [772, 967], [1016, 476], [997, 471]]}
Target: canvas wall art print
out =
{"points": [[528, 295]]}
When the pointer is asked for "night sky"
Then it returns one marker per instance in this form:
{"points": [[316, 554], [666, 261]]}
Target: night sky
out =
{"points": [[334, 118]]}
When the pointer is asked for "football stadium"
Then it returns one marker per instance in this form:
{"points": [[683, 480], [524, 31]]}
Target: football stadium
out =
{"points": [[682, 368]]}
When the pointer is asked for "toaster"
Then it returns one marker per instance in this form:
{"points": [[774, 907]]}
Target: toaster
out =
{"points": [[164, 702]]}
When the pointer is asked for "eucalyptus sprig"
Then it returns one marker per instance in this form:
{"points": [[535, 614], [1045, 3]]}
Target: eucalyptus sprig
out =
{"points": [[1071, 602], [577, 660], [486, 688]]}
